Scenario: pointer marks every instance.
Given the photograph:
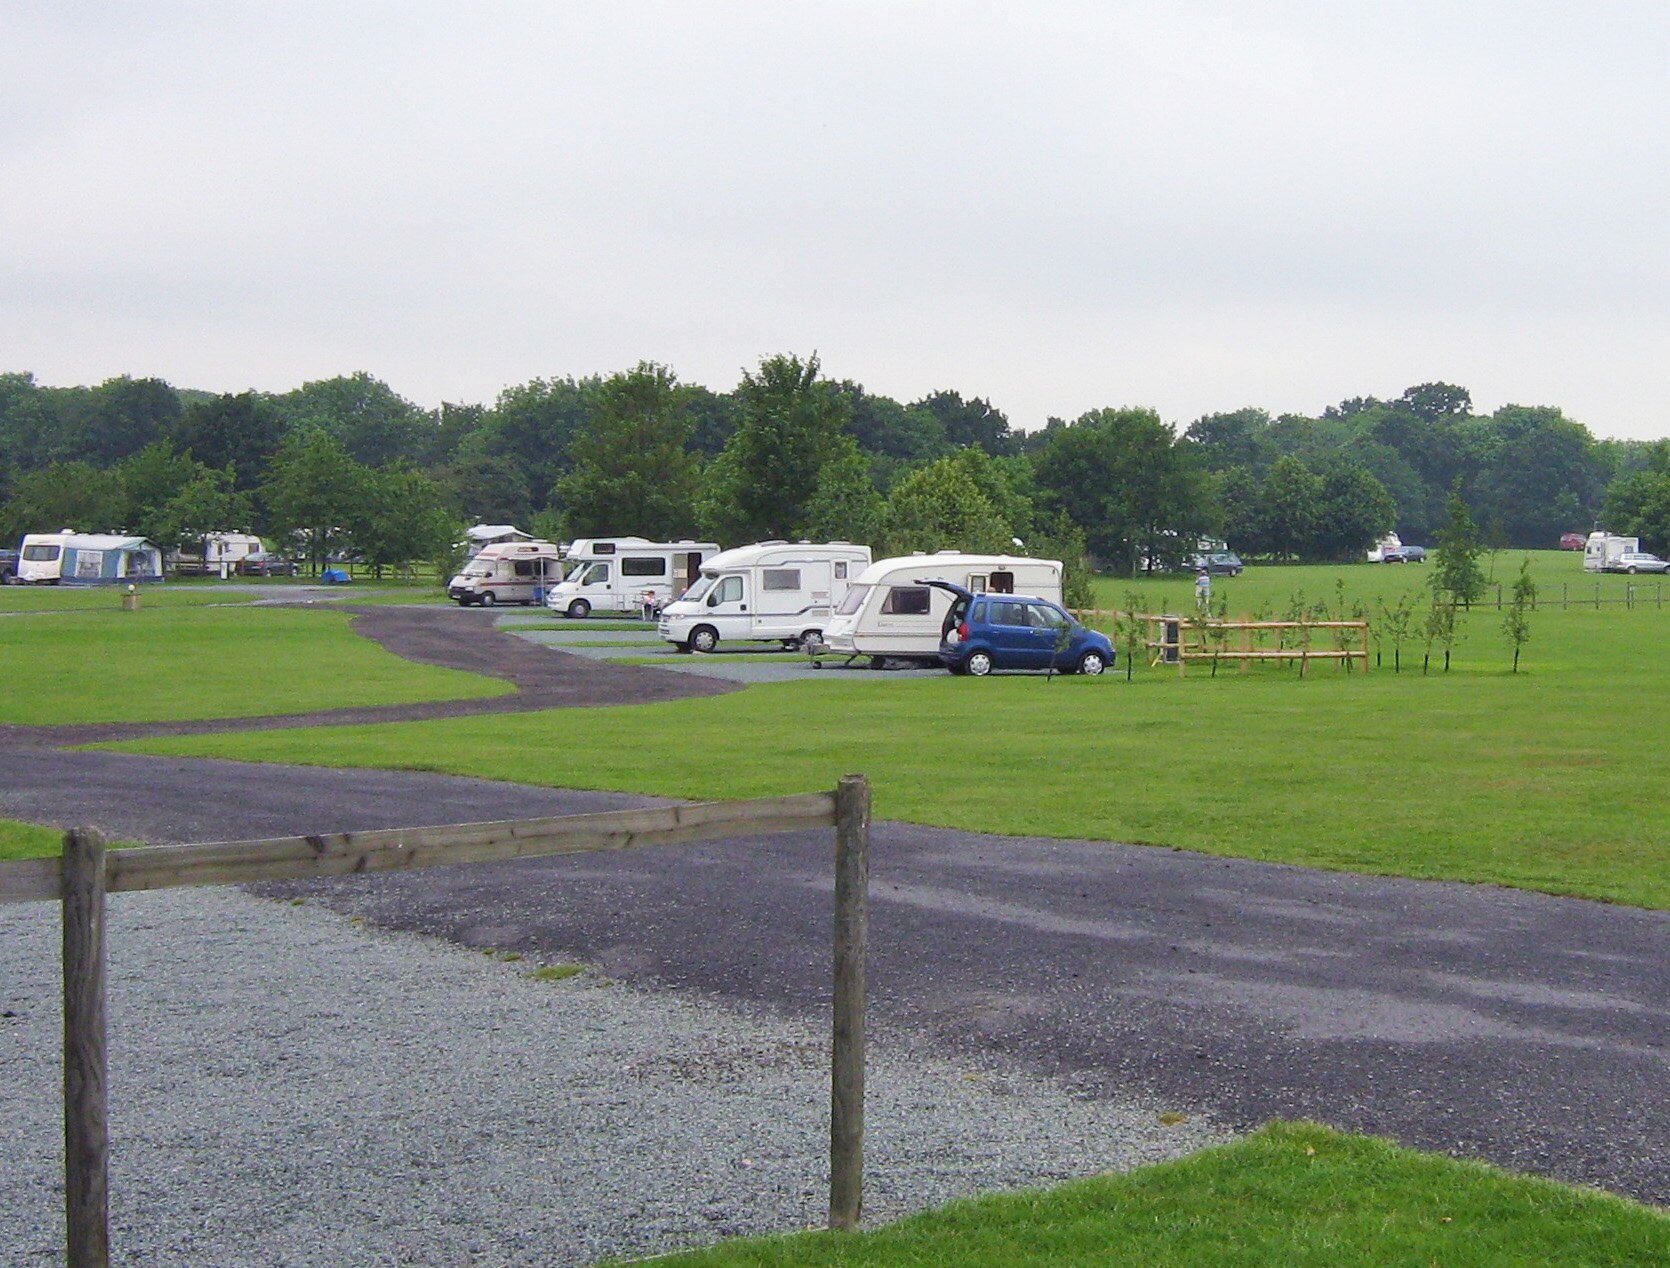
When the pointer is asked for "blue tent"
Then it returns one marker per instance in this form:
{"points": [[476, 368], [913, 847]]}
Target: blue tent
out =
{"points": [[98, 559]]}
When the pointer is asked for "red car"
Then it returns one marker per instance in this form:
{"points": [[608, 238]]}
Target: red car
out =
{"points": [[1572, 541]]}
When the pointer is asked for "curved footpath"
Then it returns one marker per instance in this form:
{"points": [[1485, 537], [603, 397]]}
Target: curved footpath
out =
{"points": [[1528, 1030]]}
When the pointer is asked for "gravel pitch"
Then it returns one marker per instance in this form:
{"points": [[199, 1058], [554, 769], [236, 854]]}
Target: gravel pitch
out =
{"points": [[290, 1088]]}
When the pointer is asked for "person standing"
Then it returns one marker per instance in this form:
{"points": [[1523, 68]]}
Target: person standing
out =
{"points": [[1203, 592]]}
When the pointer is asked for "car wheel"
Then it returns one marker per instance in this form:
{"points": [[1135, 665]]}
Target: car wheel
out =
{"points": [[1632, 570], [978, 664], [704, 638], [579, 610], [487, 599], [1092, 663]]}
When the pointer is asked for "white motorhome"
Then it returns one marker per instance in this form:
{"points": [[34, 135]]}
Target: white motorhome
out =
{"points": [[889, 614], [768, 592], [626, 574], [508, 572], [1601, 549]]}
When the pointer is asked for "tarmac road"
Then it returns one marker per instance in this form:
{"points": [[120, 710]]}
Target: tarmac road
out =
{"points": [[1527, 1030]]}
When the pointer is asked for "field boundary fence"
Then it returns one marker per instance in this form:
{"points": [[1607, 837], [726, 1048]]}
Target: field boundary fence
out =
{"points": [[87, 872]]}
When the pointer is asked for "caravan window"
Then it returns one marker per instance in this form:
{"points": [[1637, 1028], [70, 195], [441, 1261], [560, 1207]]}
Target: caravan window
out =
{"points": [[854, 600], [840, 570], [40, 554], [1001, 583], [780, 578], [643, 566], [906, 601]]}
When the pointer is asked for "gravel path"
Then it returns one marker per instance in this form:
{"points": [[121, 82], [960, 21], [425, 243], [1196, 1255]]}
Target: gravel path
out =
{"points": [[289, 1088]]}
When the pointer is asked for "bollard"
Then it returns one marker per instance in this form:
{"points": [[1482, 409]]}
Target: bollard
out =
{"points": [[130, 599]]}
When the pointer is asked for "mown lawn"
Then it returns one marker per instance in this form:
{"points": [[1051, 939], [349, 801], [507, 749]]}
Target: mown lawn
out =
{"points": [[1544, 780], [179, 662], [1292, 1194]]}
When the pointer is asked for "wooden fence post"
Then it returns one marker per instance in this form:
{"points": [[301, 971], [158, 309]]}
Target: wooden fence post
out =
{"points": [[846, 1071], [86, 1107]]}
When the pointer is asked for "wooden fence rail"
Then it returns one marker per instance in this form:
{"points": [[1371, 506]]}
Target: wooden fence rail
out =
{"points": [[86, 872]]}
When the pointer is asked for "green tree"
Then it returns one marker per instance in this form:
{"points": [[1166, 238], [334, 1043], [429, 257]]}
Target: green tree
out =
{"points": [[970, 423], [73, 495], [375, 425], [150, 479], [208, 503], [633, 469], [788, 422], [1516, 622], [316, 491], [1638, 505], [403, 515], [242, 432], [534, 424], [1124, 478], [845, 505], [1353, 511], [1290, 508], [1456, 575], [941, 507]]}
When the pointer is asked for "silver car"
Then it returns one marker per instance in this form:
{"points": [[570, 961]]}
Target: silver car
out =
{"points": [[1634, 561]]}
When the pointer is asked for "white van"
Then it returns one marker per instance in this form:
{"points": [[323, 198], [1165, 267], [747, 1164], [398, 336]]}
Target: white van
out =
{"points": [[889, 614], [626, 574], [769, 592], [508, 572]]}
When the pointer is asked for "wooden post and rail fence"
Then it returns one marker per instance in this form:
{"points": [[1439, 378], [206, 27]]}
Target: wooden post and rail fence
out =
{"points": [[87, 872]]}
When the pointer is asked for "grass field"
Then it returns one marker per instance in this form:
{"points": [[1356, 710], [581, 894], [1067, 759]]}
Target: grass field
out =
{"points": [[178, 662], [1293, 1194], [1542, 780]]}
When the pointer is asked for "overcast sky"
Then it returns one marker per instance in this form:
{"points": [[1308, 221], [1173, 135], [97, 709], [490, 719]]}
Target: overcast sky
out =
{"points": [[1188, 206]]}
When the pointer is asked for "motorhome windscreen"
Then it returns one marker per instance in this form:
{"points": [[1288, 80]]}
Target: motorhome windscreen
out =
{"points": [[703, 584], [854, 600]]}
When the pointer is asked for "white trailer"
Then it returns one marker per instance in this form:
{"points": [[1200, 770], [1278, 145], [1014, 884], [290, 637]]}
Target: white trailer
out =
{"points": [[508, 572], [626, 574], [40, 558], [1602, 548], [768, 592], [1389, 543], [222, 554], [889, 612]]}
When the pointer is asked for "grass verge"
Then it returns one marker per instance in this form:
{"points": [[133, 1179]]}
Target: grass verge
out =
{"points": [[183, 663], [1291, 1194]]}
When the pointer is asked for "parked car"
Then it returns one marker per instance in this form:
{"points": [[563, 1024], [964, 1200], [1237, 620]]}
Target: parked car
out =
{"points": [[1403, 555], [262, 564], [983, 632], [8, 567], [1634, 561], [1572, 541], [1222, 562]]}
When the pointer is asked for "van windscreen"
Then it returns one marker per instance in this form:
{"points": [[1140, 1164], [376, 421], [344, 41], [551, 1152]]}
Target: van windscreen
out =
{"points": [[854, 600]]}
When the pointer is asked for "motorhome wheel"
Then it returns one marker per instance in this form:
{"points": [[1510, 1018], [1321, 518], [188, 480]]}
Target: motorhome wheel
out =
{"points": [[704, 638], [579, 609], [487, 599]]}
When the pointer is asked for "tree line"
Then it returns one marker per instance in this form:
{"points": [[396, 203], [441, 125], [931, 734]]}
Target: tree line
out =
{"points": [[347, 464]]}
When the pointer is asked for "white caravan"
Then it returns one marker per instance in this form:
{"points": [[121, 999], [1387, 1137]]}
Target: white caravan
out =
{"points": [[769, 592], [1390, 542], [222, 553], [508, 572], [626, 574], [1601, 549], [888, 614], [40, 558]]}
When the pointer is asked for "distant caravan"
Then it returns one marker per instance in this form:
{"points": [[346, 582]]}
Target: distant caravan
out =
{"points": [[782, 592], [890, 613], [507, 572]]}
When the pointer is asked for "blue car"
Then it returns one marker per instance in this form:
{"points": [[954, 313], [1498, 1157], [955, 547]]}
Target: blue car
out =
{"points": [[983, 632]]}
